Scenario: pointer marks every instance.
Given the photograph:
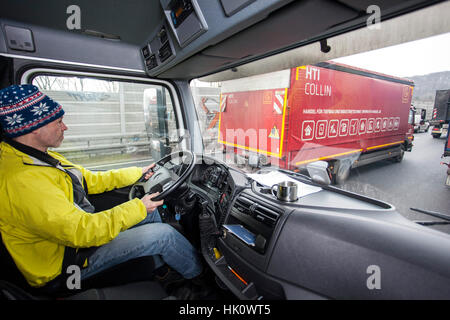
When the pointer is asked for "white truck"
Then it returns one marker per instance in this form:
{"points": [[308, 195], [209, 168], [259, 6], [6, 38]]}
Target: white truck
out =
{"points": [[420, 124]]}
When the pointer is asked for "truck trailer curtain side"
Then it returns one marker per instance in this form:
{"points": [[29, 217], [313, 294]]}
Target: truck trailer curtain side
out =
{"points": [[326, 112], [440, 118]]}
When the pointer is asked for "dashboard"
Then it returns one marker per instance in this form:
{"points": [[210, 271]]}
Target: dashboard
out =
{"points": [[318, 247], [214, 183]]}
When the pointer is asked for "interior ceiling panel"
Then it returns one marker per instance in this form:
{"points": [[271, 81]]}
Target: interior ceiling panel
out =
{"points": [[286, 27], [134, 20], [131, 20], [299, 23], [408, 27], [295, 25]]}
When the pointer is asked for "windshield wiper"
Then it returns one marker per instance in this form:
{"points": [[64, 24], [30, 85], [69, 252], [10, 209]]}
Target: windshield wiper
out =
{"points": [[431, 223], [433, 213]]}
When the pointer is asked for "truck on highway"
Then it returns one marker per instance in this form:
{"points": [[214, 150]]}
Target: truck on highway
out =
{"points": [[420, 124], [447, 154], [344, 115], [441, 114]]}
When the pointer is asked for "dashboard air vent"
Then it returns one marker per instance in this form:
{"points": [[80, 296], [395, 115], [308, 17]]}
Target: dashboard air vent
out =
{"points": [[260, 211]]}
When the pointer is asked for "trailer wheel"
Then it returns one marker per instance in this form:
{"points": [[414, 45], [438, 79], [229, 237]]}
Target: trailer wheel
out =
{"points": [[399, 158], [264, 160], [343, 171]]}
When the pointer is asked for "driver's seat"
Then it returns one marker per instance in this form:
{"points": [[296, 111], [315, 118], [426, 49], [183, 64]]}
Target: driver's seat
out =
{"points": [[131, 280], [143, 290]]}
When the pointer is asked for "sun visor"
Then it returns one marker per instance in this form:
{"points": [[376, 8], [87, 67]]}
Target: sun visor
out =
{"points": [[406, 28]]}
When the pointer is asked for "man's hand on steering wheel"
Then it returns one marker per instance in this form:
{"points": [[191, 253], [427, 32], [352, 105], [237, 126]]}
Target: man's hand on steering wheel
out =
{"points": [[165, 176], [149, 204], [147, 172]]}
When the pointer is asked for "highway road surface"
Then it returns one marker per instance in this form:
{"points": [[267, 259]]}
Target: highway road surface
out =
{"points": [[416, 182]]}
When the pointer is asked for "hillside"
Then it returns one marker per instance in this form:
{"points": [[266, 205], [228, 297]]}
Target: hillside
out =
{"points": [[425, 89]]}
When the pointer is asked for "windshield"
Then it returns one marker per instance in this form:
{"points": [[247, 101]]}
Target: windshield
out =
{"points": [[352, 113]]}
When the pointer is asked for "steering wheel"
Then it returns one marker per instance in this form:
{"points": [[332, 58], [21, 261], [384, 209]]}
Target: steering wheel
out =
{"points": [[169, 173]]}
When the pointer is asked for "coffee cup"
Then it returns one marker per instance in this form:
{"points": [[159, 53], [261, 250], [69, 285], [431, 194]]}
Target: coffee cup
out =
{"points": [[285, 191]]}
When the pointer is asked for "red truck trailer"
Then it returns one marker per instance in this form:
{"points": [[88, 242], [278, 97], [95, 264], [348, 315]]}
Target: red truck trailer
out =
{"points": [[329, 111]]}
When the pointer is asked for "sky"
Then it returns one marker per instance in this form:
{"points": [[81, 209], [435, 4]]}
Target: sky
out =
{"points": [[405, 60]]}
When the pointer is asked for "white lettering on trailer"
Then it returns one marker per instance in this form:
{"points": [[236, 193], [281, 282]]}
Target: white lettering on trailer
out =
{"points": [[308, 130], [310, 110], [312, 73], [333, 129], [321, 130], [378, 125], [313, 89], [396, 123], [362, 126], [384, 124], [343, 129], [353, 127], [390, 124], [370, 125]]}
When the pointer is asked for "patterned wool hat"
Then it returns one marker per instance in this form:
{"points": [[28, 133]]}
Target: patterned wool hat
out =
{"points": [[23, 108]]}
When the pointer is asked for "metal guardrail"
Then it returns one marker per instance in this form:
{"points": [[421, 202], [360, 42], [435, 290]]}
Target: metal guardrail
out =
{"points": [[90, 139], [103, 146], [90, 143], [105, 136]]}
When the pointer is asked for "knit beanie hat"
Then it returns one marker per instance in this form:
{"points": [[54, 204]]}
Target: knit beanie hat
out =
{"points": [[23, 108]]}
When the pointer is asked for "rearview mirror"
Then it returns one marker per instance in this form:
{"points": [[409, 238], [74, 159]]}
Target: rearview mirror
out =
{"points": [[319, 172], [156, 121]]}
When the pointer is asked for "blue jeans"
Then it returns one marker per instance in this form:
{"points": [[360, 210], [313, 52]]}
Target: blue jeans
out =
{"points": [[150, 237]]}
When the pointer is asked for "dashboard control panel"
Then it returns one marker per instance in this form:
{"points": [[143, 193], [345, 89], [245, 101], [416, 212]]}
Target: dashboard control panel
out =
{"points": [[159, 50], [185, 19], [218, 185]]}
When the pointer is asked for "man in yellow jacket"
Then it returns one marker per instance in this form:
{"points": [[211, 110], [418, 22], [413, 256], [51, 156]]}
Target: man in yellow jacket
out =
{"points": [[45, 216]]}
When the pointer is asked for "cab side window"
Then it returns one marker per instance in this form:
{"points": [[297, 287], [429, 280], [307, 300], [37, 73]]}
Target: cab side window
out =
{"points": [[112, 124]]}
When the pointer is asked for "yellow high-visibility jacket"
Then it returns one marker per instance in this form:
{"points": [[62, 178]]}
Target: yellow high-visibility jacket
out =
{"points": [[38, 217]]}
